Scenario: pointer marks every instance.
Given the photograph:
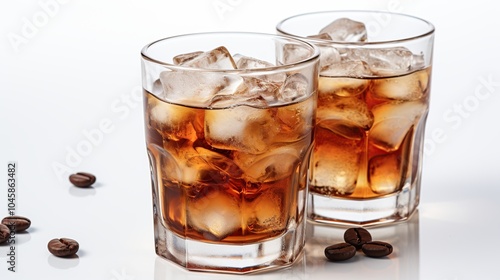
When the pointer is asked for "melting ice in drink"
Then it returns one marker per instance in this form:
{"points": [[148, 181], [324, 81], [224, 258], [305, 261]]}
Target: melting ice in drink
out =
{"points": [[372, 103], [228, 148]]}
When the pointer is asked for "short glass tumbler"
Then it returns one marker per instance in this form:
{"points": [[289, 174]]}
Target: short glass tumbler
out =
{"points": [[373, 101], [229, 121]]}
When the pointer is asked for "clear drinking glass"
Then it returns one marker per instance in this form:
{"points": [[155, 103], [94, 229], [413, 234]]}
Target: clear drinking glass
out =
{"points": [[373, 101], [229, 121]]}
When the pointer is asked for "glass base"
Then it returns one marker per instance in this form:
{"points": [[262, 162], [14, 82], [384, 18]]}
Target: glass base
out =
{"points": [[388, 209], [269, 254]]}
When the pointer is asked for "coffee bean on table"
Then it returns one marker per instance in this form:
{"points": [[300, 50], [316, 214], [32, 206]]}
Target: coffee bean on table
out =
{"points": [[17, 223], [357, 237], [340, 252], [377, 249], [4, 233], [82, 179], [63, 247]]}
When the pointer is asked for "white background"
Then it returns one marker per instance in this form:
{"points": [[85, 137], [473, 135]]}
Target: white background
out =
{"points": [[71, 68]]}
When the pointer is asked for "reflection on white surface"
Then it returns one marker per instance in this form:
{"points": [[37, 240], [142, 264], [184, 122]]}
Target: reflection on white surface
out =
{"points": [[167, 270], [63, 263], [81, 192], [21, 238], [403, 263]]}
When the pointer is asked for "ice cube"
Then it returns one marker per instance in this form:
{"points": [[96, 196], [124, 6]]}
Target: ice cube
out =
{"points": [[218, 58], [157, 87], [418, 62], [273, 165], [295, 87], [268, 212], [329, 56], [220, 163], [174, 122], [344, 128], [264, 88], [383, 62], [246, 62], [240, 128], [410, 110], [409, 87], [392, 121], [351, 110], [345, 30], [293, 53], [389, 134], [226, 101], [384, 173], [216, 214], [351, 69], [344, 87], [199, 88], [180, 162], [336, 161], [182, 58], [344, 79]]}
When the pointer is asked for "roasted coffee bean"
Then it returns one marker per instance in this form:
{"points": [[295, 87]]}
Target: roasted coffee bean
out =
{"points": [[82, 179], [4, 233], [377, 249], [340, 252], [63, 247], [357, 237], [17, 223]]}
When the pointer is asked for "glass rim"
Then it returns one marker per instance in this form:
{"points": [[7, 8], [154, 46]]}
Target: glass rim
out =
{"points": [[314, 56], [429, 31]]}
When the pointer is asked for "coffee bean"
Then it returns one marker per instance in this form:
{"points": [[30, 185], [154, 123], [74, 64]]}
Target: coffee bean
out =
{"points": [[17, 223], [82, 179], [340, 252], [357, 237], [377, 249], [63, 247], [4, 233]]}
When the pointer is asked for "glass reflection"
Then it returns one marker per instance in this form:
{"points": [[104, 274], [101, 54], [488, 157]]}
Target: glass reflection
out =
{"points": [[403, 263], [167, 270]]}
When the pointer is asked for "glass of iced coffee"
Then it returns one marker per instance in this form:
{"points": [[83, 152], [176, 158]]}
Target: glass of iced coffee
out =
{"points": [[373, 100], [229, 120]]}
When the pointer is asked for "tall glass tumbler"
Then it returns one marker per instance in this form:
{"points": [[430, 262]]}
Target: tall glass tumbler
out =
{"points": [[229, 121], [373, 101]]}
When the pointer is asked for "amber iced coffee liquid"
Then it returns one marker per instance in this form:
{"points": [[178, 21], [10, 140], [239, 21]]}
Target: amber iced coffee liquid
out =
{"points": [[228, 187], [366, 131]]}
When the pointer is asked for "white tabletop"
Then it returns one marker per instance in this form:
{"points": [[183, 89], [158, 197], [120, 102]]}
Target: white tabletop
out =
{"points": [[71, 101]]}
